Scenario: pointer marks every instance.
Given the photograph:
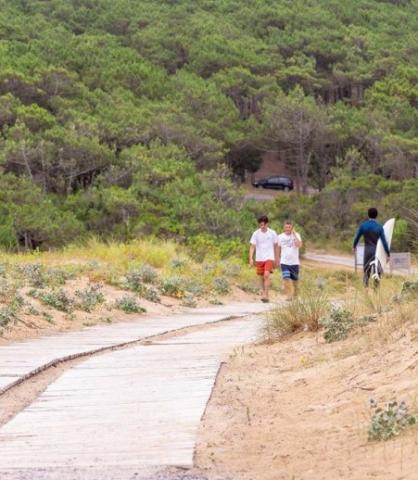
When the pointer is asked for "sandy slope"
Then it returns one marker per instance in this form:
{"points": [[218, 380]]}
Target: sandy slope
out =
{"points": [[299, 410]]}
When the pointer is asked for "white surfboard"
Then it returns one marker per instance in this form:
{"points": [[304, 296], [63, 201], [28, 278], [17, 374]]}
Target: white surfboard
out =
{"points": [[381, 256]]}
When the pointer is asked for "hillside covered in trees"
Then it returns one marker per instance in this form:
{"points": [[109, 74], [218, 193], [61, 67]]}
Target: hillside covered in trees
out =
{"points": [[123, 118]]}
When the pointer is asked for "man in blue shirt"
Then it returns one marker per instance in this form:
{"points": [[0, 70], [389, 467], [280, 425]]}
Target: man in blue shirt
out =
{"points": [[371, 231]]}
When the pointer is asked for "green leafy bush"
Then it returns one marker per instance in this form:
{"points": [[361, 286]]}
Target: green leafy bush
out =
{"points": [[129, 304], [90, 297], [151, 294], [337, 324], [390, 421], [148, 274], [221, 285], [173, 287], [34, 274], [55, 298]]}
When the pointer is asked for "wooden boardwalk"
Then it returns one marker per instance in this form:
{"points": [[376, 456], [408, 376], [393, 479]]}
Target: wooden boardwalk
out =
{"points": [[138, 407], [20, 360]]}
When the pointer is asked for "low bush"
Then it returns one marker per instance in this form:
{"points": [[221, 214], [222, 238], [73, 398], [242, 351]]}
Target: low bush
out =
{"points": [[89, 297], [221, 285], [148, 274], [390, 421], [129, 304], [33, 274], [337, 324], [189, 301], [55, 298], [151, 294], [173, 287]]}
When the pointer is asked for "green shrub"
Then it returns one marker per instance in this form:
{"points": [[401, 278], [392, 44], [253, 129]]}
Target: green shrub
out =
{"points": [[388, 422], [133, 281], [58, 276], [151, 294], [129, 304], [173, 287], [221, 285], [409, 290], [337, 324], [89, 297], [178, 263], [7, 316], [189, 301], [148, 274], [34, 274], [9, 313], [301, 313], [55, 298]]}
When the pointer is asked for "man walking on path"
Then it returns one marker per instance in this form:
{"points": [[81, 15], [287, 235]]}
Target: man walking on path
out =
{"points": [[289, 243], [264, 243], [371, 230]]}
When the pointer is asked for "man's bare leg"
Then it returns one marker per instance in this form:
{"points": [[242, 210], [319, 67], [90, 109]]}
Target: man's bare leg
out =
{"points": [[266, 285], [288, 288]]}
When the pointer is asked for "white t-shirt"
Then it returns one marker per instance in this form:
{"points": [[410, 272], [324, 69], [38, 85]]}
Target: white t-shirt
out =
{"points": [[289, 251], [264, 244]]}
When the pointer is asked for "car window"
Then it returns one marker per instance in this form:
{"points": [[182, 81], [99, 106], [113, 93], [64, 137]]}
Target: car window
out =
{"points": [[274, 180]]}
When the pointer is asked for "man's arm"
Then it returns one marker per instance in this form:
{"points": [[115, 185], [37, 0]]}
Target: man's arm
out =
{"points": [[384, 241], [298, 240], [251, 259], [358, 235], [277, 251]]}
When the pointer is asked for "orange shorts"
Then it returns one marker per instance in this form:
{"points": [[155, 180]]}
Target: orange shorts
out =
{"points": [[262, 267]]}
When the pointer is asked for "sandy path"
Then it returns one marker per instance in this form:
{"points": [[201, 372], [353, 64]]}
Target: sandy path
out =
{"points": [[298, 410]]}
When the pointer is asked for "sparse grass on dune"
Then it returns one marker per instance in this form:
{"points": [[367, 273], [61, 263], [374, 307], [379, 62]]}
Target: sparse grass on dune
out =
{"points": [[386, 308], [149, 269]]}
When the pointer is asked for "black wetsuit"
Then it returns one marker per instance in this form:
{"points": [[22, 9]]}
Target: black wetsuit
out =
{"points": [[371, 230]]}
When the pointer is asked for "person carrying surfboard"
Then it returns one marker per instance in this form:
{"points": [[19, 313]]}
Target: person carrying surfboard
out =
{"points": [[371, 231]]}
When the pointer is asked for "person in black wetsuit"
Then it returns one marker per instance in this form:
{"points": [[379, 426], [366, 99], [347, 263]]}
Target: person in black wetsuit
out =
{"points": [[371, 230]]}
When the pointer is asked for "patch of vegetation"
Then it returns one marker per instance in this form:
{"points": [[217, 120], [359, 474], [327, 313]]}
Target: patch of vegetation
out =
{"points": [[9, 313], [55, 298], [178, 263], [129, 304], [90, 297], [151, 294], [173, 287], [409, 290], [249, 288], [34, 274], [389, 421], [148, 273], [337, 324], [221, 285], [48, 317], [301, 313], [189, 301], [58, 276]]}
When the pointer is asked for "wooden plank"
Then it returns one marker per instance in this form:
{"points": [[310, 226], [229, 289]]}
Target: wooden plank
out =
{"points": [[19, 360], [135, 407]]}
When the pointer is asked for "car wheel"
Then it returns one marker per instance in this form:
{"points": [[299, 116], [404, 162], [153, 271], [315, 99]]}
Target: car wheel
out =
{"points": [[257, 186]]}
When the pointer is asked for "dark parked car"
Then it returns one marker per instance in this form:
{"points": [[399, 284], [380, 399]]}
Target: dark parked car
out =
{"points": [[278, 182]]}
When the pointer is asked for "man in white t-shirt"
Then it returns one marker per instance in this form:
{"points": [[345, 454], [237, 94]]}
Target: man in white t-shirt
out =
{"points": [[289, 243], [264, 243]]}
